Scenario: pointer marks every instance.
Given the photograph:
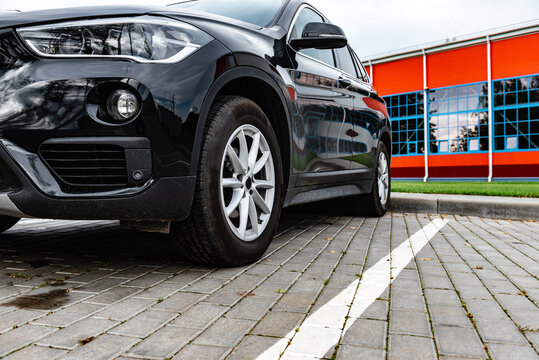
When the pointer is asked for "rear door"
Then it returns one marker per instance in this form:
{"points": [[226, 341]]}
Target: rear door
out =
{"points": [[366, 118]]}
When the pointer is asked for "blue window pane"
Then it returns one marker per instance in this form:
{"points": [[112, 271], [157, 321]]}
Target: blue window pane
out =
{"points": [[523, 84], [534, 113], [515, 120], [534, 96]]}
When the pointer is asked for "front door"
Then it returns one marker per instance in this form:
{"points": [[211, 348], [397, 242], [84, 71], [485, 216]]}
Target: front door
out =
{"points": [[320, 114]]}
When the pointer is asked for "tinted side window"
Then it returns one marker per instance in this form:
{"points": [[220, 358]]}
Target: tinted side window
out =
{"points": [[361, 70], [346, 63], [307, 16]]}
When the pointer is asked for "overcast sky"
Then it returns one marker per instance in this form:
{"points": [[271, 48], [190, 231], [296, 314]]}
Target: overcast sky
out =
{"points": [[375, 26]]}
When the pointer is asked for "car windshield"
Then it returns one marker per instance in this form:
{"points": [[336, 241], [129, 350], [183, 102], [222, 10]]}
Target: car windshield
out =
{"points": [[257, 12]]}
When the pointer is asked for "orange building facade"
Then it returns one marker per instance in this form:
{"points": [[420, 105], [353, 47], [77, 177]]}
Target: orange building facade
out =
{"points": [[466, 109]]}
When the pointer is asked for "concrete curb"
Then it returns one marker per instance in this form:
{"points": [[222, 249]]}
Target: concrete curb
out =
{"points": [[483, 206]]}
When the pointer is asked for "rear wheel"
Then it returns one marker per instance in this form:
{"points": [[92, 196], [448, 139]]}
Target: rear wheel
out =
{"points": [[376, 203], [7, 222], [237, 198]]}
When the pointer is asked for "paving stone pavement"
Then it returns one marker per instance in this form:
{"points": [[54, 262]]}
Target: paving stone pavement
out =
{"points": [[90, 290]]}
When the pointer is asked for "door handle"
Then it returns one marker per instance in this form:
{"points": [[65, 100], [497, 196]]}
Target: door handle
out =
{"points": [[345, 83]]}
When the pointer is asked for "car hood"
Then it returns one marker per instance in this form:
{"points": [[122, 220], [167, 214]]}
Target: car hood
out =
{"points": [[45, 16], [28, 18]]}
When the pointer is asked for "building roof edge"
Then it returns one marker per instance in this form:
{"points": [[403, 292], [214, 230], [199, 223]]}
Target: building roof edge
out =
{"points": [[500, 33]]}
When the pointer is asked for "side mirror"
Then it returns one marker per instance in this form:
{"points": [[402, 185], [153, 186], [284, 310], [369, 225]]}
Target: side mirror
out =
{"points": [[320, 36]]}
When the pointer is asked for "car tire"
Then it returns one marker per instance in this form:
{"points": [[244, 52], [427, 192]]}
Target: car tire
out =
{"points": [[237, 200], [7, 222], [377, 202]]}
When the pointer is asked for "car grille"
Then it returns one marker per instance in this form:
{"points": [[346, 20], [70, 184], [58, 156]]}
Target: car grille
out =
{"points": [[99, 166]]}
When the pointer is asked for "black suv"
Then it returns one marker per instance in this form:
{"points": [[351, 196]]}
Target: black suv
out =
{"points": [[201, 119]]}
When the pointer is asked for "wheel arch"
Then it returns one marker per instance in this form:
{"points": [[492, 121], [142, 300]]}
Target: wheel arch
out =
{"points": [[385, 138], [242, 81]]}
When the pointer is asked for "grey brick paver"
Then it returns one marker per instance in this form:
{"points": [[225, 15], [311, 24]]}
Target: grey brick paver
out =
{"points": [[113, 295], [410, 347], [100, 285], [104, 347], [36, 352], [449, 315], [458, 341], [199, 316], [225, 332], [70, 337], [377, 311], [508, 351], [409, 322], [251, 346], [148, 280], [69, 315], [251, 307], [143, 324], [201, 352], [349, 352], [366, 333], [17, 318], [500, 330], [277, 324], [22, 336], [178, 302], [125, 309], [476, 271], [159, 291], [163, 343]]}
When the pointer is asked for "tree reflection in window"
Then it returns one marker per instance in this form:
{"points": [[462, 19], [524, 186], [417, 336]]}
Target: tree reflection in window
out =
{"points": [[458, 119]]}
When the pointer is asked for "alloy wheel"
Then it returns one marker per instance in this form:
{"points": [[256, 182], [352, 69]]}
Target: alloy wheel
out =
{"points": [[247, 186], [383, 178]]}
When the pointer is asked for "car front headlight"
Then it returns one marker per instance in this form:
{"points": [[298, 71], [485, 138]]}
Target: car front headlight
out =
{"points": [[142, 39]]}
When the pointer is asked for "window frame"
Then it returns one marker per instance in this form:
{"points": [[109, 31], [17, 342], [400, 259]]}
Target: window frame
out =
{"points": [[349, 49], [436, 112], [517, 106], [289, 35]]}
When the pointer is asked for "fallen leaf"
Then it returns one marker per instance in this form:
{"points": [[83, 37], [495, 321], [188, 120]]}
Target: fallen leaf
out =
{"points": [[479, 267], [506, 233], [281, 291], [352, 227], [86, 341], [467, 244], [332, 252], [269, 260], [329, 239], [426, 259], [522, 293]]}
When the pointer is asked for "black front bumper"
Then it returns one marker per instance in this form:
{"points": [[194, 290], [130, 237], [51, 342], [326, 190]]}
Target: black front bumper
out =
{"points": [[162, 199], [46, 99]]}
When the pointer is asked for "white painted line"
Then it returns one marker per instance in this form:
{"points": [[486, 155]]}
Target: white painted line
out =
{"points": [[322, 329]]}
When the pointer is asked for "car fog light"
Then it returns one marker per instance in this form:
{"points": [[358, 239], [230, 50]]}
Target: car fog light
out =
{"points": [[123, 105]]}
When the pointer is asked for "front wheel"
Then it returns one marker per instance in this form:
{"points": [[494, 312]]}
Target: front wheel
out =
{"points": [[376, 203], [236, 207]]}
